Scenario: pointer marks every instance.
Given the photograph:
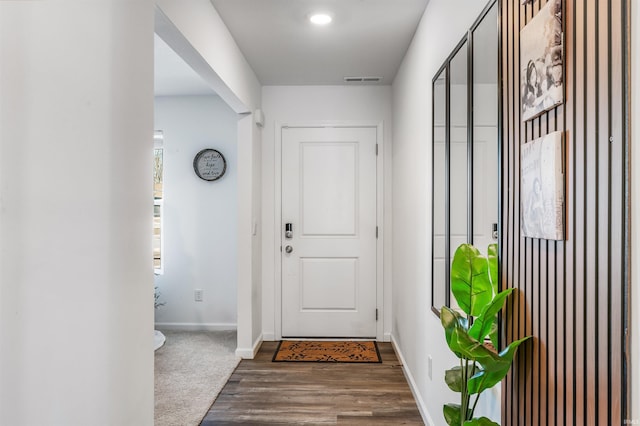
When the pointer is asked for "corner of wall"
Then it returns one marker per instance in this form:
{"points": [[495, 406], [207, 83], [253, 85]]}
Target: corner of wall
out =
{"points": [[250, 353]]}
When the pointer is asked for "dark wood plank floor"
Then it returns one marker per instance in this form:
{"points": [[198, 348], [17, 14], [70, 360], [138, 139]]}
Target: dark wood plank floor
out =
{"points": [[261, 392]]}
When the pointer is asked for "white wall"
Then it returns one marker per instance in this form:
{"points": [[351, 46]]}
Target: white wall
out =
{"points": [[313, 104], [635, 212], [417, 332], [200, 218], [76, 283], [194, 29]]}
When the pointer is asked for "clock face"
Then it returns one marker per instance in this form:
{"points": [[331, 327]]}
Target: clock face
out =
{"points": [[209, 164]]}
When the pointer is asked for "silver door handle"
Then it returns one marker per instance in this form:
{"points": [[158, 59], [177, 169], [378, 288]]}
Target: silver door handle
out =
{"points": [[288, 249]]}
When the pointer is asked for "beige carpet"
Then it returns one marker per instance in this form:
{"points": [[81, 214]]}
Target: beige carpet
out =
{"points": [[190, 370]]}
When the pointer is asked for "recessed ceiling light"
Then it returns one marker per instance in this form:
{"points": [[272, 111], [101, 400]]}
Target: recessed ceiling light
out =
{"points": [[320, 19]]}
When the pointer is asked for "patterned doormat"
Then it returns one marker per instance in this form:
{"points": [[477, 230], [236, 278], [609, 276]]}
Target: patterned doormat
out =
{"points": [[327, 351]]}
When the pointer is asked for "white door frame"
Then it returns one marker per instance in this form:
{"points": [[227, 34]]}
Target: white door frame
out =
{"points": [[380, 296]]}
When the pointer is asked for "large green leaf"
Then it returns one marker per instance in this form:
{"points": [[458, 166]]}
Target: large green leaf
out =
{"points": [[470, 281], [458, 339], [484, 322], [492, 258], [452, 414], [453, 378], [450, 319], [493, 335], [494, 368], [480, 421]]}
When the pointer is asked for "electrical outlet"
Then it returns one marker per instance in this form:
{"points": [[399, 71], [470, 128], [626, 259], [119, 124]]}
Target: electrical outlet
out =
{"points": [[430, 367], [198, 295]]}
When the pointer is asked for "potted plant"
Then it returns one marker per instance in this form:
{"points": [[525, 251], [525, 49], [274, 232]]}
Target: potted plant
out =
{"points": [[158, 337], [156, 298], [474, 284]]}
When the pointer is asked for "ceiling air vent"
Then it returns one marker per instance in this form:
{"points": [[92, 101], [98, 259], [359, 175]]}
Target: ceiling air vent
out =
{"points": [[362, 79]]}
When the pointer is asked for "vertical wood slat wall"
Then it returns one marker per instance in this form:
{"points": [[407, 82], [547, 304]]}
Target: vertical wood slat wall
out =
{"points": [[571, 293]]}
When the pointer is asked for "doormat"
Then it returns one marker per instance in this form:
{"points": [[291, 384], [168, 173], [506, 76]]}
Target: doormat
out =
{"points": [[327, 351]]}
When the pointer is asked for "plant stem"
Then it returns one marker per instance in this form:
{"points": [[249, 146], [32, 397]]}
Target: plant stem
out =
{"points": [[473, 409], [467, 397], [463, 392], [474, 405]]}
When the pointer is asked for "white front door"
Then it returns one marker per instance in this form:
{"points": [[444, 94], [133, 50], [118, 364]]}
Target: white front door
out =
{"points": [[329, 261]]}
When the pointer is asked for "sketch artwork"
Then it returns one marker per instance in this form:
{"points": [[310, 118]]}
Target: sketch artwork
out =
{"points": [[542, 188], [541, 61]]}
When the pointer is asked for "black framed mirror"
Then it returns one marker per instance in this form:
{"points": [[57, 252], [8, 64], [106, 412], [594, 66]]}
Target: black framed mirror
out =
{"points": [[440, 271], [485, 100], [465, 135], [459, 154]]}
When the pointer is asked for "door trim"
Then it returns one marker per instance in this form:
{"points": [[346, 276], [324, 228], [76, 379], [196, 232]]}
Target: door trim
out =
{"points": [[380, 296]]}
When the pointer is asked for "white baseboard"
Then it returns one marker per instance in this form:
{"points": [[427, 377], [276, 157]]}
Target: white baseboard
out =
{"points": [[386, 337], [187, 326], [426, 417], [250, 353]]}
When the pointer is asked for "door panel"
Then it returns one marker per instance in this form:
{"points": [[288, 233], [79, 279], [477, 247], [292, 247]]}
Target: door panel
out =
{"points": [[329, 197], [329, 202], [329, 283]]}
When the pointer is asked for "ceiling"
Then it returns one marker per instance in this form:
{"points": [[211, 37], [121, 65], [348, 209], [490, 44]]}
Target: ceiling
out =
{"points": [[367, 38]]}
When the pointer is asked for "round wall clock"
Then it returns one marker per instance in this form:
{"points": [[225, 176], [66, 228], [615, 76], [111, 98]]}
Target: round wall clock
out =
{"points": [[209, 164]]}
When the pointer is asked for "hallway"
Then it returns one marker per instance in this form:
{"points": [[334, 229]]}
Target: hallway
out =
{"points": [[77, 206], [265, 392]]}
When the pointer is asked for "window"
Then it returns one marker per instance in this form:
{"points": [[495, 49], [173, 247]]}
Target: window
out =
{"points": [[158, 194]]}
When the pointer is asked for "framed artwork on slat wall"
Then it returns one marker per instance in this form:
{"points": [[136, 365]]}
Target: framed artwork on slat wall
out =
{"points": [[541, 62]]}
